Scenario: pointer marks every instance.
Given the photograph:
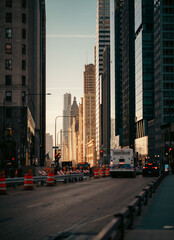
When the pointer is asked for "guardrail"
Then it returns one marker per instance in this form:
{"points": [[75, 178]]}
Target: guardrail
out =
{"points": [[43, 179], [125, 218]]}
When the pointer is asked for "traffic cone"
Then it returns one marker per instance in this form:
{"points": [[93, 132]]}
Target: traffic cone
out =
{"points": [[50, 179], [28, 181], [2, 184]]}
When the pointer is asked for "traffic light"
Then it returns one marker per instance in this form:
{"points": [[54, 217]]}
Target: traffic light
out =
{"points": [[101, 153], [170, 149], [55, 154]]}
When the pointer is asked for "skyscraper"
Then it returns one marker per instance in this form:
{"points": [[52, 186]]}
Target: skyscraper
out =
{"points": [[128, 73], [22, 98], [66, 112], [144, 73], [164, 76], [102, 40], [89, 99]]}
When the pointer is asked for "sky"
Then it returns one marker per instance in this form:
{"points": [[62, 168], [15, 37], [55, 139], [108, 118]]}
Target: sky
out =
{"points": [[70, 41]]}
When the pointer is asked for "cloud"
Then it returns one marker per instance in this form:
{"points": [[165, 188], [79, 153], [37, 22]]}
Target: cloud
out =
{"points": [[70, 36]]}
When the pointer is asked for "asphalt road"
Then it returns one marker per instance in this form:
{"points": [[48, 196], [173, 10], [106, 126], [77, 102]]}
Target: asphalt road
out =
{"points": [[79, 210]]}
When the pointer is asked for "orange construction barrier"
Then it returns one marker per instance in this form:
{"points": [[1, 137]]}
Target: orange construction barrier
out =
{"points": [[102, 172], [107, 172], [96, 173], [28, 181], [50, 179], [2, 184]]}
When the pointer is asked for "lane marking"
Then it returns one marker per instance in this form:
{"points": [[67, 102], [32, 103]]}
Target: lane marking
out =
{"points": [[35, 205], [98, 219]]}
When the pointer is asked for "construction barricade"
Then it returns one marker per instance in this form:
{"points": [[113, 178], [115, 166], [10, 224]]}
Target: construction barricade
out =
{"points": [[102, 172], [2, 184], [28, 181], [107, 172], [96, 173], [50, 179]]}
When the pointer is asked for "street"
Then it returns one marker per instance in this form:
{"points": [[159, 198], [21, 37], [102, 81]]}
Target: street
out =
{"points": [[77, 209]]}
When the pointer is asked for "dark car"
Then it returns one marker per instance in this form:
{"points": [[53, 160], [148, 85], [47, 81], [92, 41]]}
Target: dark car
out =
{"points": [[150, 169]]}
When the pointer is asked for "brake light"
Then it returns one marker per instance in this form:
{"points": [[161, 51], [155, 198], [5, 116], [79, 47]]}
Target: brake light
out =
{"points": [[149, 163], [145, 167]]}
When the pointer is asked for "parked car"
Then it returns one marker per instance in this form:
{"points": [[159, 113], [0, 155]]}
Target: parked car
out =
{"points": [[151, 169]]}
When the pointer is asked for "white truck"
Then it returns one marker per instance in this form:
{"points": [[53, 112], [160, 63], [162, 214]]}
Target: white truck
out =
{"points": [[122, 163]]}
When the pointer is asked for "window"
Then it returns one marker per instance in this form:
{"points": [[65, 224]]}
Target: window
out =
{"points": [[23, 3], [8, 79], [23, 96], [24, 33], [23, 49], [23, 65], [8, 112], [8, 48], [8, 64], [8, 33], [23, 80], [23, 18], [8, 3], [8, 17], [8, 96]]}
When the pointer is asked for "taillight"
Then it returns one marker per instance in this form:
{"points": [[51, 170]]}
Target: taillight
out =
{"points": [[145, 167]]}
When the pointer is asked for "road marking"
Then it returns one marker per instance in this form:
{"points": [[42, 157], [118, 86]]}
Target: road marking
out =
{"points": [[98, 219], [35, 205]]}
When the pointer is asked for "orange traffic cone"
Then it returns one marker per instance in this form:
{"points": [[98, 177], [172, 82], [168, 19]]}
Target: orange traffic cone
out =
{"points": [[28, 181]]}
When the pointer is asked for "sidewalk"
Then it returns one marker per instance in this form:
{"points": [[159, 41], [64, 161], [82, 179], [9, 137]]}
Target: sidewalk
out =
{"points": [[157, 220]]}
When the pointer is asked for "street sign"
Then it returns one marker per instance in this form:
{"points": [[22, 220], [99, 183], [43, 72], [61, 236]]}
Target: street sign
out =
{"points": [[55, 147]]}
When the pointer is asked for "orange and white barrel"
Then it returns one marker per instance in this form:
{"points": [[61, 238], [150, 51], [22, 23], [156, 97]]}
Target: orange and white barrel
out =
{"points": [[28, 181], [50, 179], [102, 172], [2, 184], [107, 172], [96, 173]]}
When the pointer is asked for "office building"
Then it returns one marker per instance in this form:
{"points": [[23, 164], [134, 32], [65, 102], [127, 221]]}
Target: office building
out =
{"points": [[89, 100], [144, 74], [22, 80], [128, 74], [102, 39], [66, 112], [164, 78], [106, 104]]}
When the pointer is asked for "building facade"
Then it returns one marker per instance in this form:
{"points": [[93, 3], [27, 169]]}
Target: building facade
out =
{"points": [[102, 39], [106, 105], [164, 77], [144, 73], [22, 92], [66, 112], [89, 106]]}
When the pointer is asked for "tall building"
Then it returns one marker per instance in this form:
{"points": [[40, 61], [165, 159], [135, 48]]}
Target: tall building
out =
{"points": [[73, 131], [80, 136], [164, 77], [89, 99], [102, 40], [116, 73], [128, 73], [144, 74], [22, 93], [66, 112], [49, 149], [106, 104]]}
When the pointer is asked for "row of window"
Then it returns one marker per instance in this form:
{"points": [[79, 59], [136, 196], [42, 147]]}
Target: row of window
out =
{"points": [[8, 80], [8, 96], [8, 48], [9, 3], [8, 17], [8, 33], [8, 64]]}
